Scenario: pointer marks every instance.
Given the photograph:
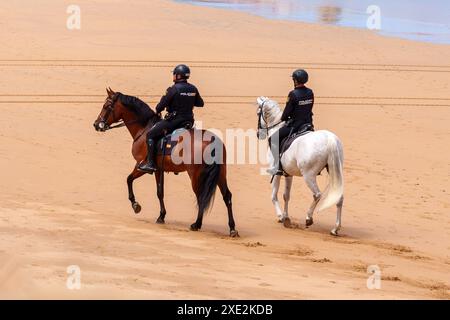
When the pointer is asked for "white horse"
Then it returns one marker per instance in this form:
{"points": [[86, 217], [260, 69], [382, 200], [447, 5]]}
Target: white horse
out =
{"points": [[307, 156]]}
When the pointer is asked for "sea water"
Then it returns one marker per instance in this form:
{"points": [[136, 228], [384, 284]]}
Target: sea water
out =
{"points": [[410, 19]]}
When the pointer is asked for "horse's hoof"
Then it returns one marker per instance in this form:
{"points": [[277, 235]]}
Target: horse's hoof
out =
{"points": [[334, 233], [136, 207], [309, 222], [160, 220], [234, 234], [194, 227], [287, 222]]}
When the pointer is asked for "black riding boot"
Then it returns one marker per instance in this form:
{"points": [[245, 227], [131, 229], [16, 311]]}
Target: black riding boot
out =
{"points": [[149, 166], [275, 149]]}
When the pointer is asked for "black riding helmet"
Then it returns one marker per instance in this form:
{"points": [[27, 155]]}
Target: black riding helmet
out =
{"points": [[182, 71], [301, 76]]}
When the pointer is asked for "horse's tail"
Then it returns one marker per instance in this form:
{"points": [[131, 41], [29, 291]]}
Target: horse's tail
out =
{"points": [[335, 188], [207, 182]]}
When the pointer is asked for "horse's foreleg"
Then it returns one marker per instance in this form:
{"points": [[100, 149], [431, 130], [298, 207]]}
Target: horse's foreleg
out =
{"points": [[311, 181], [159, 178], [339, 205], [226, 194], [133, 176], [286, 198], [276, 203]]}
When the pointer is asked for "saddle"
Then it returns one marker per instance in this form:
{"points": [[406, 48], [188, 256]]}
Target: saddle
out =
{"points": [[169, 141], [286, 142]]}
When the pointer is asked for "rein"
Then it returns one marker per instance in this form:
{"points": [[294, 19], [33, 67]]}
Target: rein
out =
{"points": [[121, 124], [143, 131], [124, 124]]}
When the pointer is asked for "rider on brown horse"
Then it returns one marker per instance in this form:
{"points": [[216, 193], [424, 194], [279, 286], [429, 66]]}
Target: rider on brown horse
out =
{"points": [[179, 101]]}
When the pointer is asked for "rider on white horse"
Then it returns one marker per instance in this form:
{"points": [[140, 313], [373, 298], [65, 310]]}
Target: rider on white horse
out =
{"points": [[297, 114], [306, 156]]}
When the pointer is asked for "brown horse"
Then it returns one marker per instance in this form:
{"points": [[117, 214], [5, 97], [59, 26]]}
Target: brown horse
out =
{"points": [[121, 110]]}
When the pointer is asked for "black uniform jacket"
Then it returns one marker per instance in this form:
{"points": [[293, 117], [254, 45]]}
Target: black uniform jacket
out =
{"points": [[180, 98], [299, 107]]}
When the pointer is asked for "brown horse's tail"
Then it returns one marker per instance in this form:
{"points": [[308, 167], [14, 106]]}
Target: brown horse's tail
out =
{"points": [[208, 180]]}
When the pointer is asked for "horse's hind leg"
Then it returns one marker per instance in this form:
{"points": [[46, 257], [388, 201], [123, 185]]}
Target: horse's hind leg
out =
{"points": [[311, 182], [133, 176], [159, 178], [197, 225], [226, 194], [339, 205]]}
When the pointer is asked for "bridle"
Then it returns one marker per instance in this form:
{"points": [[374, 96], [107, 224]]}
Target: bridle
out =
{"points": [[109, 106], [261, 117]]}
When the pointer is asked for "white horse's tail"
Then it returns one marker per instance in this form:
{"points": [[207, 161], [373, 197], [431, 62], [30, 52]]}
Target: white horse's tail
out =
{"points": [[335, 188]]}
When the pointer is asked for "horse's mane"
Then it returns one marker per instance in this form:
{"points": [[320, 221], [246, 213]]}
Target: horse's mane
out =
{"points": [[142, 110], [272, 111]]}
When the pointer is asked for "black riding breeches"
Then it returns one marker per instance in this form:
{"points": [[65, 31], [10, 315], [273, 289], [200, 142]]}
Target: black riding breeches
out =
{"points": [[165, 127], [277, 137]]}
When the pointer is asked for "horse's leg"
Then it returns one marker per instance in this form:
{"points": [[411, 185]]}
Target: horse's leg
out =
{"points": [[194, 175], [339, 205], [311, 181], [286, 198], [133, 176], [276, 203], [226, 194], [159, 178]]}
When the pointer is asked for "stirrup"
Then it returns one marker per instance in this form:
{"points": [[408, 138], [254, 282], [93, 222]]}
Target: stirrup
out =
{"points": [[146, 167], [275, 172], [280, 173]]}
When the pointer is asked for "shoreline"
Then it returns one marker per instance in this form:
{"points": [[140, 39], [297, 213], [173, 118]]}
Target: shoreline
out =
{"points": [[388, 34]]}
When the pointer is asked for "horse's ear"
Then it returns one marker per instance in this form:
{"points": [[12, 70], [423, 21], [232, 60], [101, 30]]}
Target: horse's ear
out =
{"points": [[260, 100], [110, 91]]}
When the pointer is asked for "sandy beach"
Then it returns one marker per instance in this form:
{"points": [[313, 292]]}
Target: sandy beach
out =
{"points": [[63, 196]]}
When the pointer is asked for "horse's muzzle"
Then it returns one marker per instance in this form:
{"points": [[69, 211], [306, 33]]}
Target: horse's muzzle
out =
{"points": [[100, 126]]}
